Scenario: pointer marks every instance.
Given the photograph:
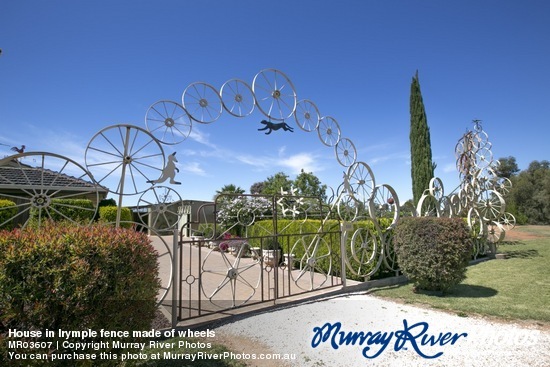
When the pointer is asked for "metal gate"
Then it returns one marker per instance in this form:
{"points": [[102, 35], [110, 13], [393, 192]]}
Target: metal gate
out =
{"points": [[252, 249]]}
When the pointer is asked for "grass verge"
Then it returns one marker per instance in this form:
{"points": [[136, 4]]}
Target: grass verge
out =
{"points": [[517, 287]]}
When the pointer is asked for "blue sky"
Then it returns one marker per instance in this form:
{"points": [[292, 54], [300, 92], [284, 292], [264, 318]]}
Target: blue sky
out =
{"points": [[72, 68]]}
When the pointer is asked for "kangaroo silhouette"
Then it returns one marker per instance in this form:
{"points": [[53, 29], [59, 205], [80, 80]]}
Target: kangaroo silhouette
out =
{"points": [[169, 172], [272, 126]]}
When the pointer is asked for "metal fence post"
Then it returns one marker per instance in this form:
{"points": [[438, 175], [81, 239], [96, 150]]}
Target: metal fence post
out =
{"points": [[345, 227], [175, 283]]}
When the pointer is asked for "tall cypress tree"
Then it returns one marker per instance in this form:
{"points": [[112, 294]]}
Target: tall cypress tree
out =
{"points": [[422, 168]]}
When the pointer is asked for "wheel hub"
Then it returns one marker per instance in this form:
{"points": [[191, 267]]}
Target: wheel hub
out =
{"points": [[203, 103], [232, 273], [40, 201], [169, 122], [276, 94]]}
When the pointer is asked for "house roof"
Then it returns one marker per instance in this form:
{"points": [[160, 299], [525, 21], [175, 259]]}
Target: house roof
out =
{"points": [[16, 175]]}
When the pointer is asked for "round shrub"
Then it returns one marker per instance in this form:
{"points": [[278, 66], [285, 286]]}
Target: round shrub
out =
{"points": [[8, 210], [77, 278], [433, 252], [107, 214]]}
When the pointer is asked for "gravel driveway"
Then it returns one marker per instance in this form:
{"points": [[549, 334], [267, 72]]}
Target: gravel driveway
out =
{"points": [[390, 333]]}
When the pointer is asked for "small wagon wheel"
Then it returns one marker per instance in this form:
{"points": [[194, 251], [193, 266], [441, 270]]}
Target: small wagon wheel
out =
{"points": [[156, 205], [307, 115], [346, 154], [328, 131], [436, 188], [202, 102], [275, 94], [359, 182], [237, 98], [168, 122], [364, 252], [384, 204]]}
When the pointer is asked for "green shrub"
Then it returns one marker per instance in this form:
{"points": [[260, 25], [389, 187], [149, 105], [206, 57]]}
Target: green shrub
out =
{"points": [[74, 210], [107, 214], [8, 210], [433, 252], [76, 278]]}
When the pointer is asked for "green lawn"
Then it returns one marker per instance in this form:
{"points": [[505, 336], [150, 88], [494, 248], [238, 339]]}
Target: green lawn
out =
{"points": [[517, 287]]}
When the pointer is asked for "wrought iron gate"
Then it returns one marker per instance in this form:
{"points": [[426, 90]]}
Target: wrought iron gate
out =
{"points": [[254, 249]]}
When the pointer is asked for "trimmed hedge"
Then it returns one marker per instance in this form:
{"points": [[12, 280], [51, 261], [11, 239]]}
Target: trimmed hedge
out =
{"points": [[107, 214], [76, 278], [291, 231], [76, 210], [7, 210], [433, 252]]}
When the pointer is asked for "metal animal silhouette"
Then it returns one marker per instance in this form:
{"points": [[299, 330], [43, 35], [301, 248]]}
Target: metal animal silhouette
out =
{"points": [[272, 126], [19, 150], [169, 172]]}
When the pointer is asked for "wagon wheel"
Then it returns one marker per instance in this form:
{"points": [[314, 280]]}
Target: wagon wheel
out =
{"points": [[476, 223], [364, 252], [445, 207], [384, 204], [328, 131], [275, 94], [484, 158], [495, 232], [390, 256], [231, 280], [490, 205], [507, 221], [486, 178], [164, 259], [359, 182], [168, 122], [237, 98], [427, 206], [315, 263], [502, 185], [454, 202], [122, 154], [307, 115], [346, 154], [436, 188], [202, 102], [348, 208], [46, 188], [158, 200]]}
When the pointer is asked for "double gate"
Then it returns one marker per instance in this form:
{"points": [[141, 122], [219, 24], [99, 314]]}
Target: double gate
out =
{"points": [[250, 249]]}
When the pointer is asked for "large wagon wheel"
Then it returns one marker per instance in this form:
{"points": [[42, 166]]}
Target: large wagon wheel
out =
{"points": [[46, 188], [127, 155], [384, 204], [328, 131], [346, 154]]}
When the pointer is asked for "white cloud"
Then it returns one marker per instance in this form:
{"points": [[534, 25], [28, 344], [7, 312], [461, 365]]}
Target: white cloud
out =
{"points": [[193, 167]]}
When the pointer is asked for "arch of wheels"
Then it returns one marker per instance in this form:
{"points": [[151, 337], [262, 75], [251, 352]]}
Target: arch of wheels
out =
{"points": [[133, 157]]}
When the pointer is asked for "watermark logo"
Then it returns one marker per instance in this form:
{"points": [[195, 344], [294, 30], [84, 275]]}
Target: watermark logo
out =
{"points": [[415, 336]]}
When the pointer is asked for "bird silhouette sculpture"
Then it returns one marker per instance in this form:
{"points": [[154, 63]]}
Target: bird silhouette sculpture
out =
{"points": [[19, 150], [270, 126]]}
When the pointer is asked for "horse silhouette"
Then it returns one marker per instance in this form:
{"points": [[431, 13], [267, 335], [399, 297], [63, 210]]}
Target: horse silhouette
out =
{"points": [[272, 126], [169, 172]]}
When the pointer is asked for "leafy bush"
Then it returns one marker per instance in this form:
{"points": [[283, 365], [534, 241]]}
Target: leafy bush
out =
{"points": [[433, 252], [7, 210], [76, 278], [107, 214]]}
